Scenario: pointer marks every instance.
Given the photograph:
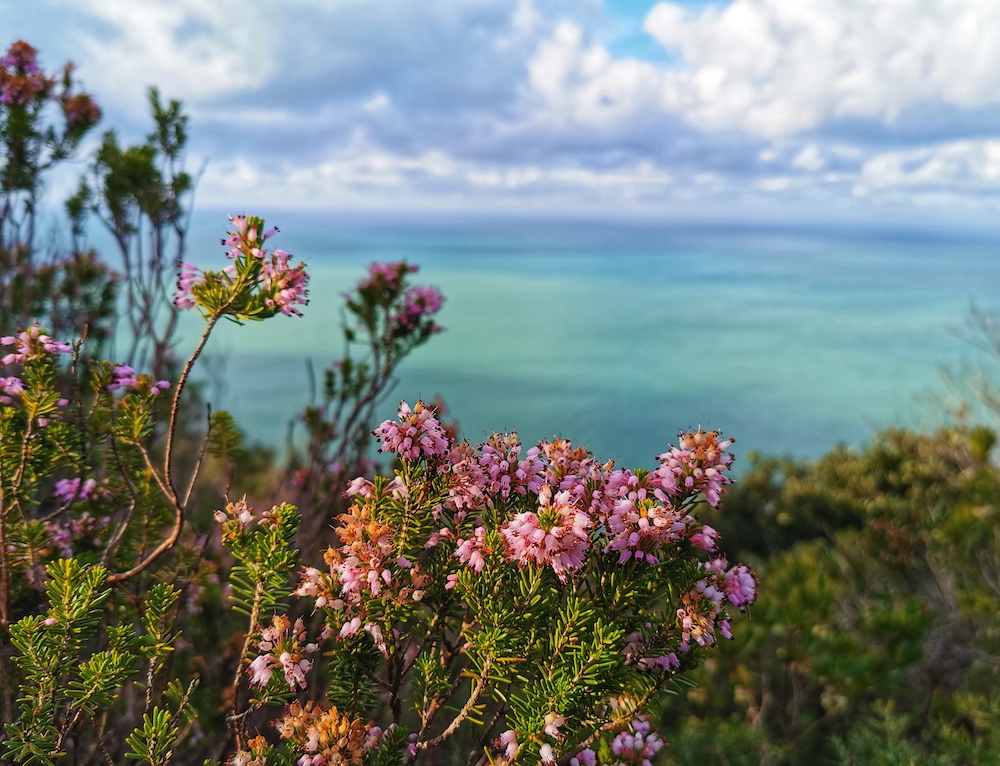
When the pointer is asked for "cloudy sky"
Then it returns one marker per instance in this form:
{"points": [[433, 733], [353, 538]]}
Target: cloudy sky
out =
{"points": [[787, 109]]}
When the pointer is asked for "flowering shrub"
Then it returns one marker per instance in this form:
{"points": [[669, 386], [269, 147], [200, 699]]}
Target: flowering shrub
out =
{"points": [[527, 608]]}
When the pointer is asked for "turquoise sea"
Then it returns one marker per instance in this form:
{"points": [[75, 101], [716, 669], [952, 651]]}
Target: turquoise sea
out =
{"points": [[618, 334]]}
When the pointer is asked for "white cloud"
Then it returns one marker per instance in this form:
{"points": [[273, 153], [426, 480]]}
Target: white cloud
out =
{"points": [[379, 101], [957, 165], [776, 183], [810, 158], [778, 67], [193, 49], [583, 83], [465, 100], [364, 171]]}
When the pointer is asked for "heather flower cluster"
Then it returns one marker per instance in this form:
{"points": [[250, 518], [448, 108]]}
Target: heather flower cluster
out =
{"points": [[556, 534], [504, 472], [282, 647], [31, 344], [285, 285], [186, 280], [22, 83], [241, 512], [9, 388], [386, 277], [576, 506], [636, 746], [408, 311], [71, 536], [258, 284], [35, 350], [699, 463], [325, 737], [21, 79], [417, 435], [124, 376], [418, 302], [704, 608], [76, 490]]}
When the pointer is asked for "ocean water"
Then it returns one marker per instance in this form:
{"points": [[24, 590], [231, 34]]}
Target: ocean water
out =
{"points": [[618, 334]]}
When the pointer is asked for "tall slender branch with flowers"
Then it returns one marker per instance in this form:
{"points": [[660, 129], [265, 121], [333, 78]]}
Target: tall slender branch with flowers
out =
{"points": [[112, 456]]}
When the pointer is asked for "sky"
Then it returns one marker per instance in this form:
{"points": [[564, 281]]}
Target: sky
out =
{"points": [[856, 110]]}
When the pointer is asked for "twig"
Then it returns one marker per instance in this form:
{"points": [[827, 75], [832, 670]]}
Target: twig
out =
{"points": [[166, 483], [201, 457], [463, 713]]}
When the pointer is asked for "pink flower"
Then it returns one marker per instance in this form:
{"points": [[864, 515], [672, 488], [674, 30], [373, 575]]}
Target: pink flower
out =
{"points": [[21, 56], [9, 388], [738, 585], [702, 609], [295, 670], [705, 538], [468, 481], [285, 286], [359, 486], [504, 472], [69, 490], [698, 464], [637, 746], [418, 434], [186, 280], [373, 630], [350, 628], [261, 670], [418, 303], [553, 721], [31, 344], [387, 276], [124, 376], [281, 645], [470, 552], [641, 524], [508, 741], [365, 554], [556, 536], [317, 585]]}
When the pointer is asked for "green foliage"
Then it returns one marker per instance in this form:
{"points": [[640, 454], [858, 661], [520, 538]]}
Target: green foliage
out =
{"points": [[265, 555], [880, 613], [66, 682], [154, 742], [225, 441]]}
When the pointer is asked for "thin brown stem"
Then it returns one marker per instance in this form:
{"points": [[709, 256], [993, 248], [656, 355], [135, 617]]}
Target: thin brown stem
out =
{"points": [[201, 458], [166, 483], [463, 713], [237, 717], [133, 493], [175, 405]]}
